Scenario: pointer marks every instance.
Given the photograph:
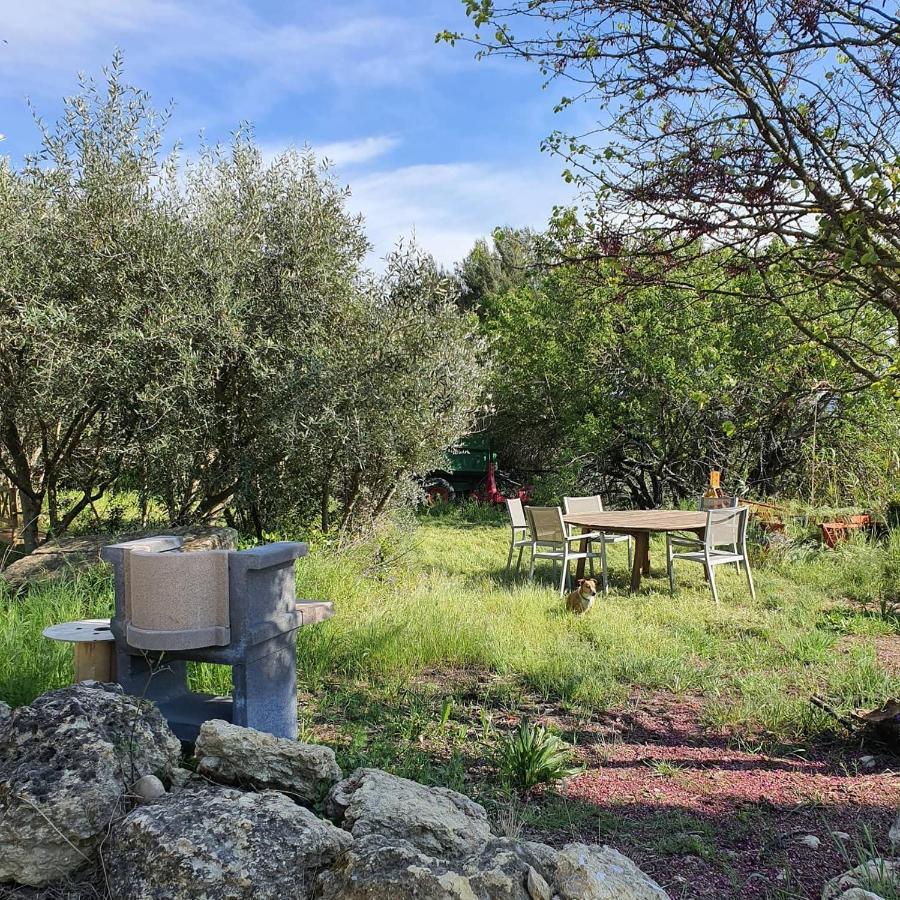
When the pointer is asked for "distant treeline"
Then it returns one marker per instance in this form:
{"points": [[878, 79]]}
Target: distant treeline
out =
{"points": [[638, 389]]}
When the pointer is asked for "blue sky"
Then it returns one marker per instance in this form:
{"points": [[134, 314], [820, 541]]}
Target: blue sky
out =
{"points": [[430, 141]]}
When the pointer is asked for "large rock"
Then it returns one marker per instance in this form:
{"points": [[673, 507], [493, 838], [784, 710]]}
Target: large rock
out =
{"points": [[244, 756], [859, 894], [216, 842], [376, 869], [5, 712], [437, 821], [65, 762], [601, 873], [419, 843], [57, 559], [379, 869], [876, 875]]}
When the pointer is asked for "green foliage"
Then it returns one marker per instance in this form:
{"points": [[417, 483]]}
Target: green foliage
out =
{"points": [[873, 576], [705, 141], [208, 336], [638, 395], [83, 333], [533, 755]]}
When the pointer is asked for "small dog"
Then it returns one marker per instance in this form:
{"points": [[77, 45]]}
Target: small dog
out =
{"points": [[582, 598]]}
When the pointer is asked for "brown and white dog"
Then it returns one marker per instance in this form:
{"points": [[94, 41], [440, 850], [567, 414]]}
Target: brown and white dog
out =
{"points": [[581, 599]]}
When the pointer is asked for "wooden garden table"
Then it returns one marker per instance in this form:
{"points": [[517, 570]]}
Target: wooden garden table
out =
{"points": [[640, 524]]}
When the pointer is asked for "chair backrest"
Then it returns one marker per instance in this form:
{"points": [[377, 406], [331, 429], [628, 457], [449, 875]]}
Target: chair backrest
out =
{"points": [[726, 526], [705, 503], [516, 513], [546, 523], [575, 505]]}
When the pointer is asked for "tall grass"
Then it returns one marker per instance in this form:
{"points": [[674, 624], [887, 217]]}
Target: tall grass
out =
{"points": [[29, 662], [438, 597]]}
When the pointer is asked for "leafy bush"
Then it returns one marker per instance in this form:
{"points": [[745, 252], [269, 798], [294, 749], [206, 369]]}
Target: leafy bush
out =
{"points": [[872, 574], [533, 755]]}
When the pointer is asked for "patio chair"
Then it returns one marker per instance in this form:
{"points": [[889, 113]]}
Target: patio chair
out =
{"points": [[724, 528], [691, 541], [519, 527], [550, 540], [594, 504]]}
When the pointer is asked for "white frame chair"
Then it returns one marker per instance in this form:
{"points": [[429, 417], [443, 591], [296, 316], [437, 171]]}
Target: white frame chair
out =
{"points": [[549, 531], [704, 504], [518, 523], [725, 527], [594, 504]]}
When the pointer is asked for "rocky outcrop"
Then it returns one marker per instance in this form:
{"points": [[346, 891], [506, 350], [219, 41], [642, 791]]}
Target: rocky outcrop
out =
{"points": [[213, 841], [66, 761], [419, 843], [868, 880], [5, 712], [436, 821], [87, 767], [60, 558], [244, 756], [378, 869], [601, 873]]}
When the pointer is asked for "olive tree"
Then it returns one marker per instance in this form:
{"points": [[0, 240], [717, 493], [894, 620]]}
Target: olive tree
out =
{"points": [[311, 386], [207, 333], [80, 317]]}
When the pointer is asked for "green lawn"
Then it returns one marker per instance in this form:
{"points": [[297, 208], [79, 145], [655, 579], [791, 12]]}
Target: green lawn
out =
{"points": [[435, 656], [436, 597]]}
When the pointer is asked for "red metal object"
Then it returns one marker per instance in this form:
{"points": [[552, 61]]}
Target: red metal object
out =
{"points": [[490, 493]]}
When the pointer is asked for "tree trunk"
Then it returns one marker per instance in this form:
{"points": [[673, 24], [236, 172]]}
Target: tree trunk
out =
{"points": [[31, 511], [325, 497]]}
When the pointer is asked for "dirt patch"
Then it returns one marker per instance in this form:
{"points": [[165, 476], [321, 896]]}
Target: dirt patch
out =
{"points": [[707, 815], [707, 820], [887, 648]]}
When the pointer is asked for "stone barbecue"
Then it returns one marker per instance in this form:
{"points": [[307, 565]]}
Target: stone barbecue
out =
{"points": [[234, 608]]}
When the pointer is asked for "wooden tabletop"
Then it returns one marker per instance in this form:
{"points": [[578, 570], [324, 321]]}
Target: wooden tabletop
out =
{"points": [[639, 523], [630, 521]]}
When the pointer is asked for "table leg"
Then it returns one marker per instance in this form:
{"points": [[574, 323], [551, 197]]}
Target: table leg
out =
{"points": [[95, 661], [641, 561], [579, 566]]}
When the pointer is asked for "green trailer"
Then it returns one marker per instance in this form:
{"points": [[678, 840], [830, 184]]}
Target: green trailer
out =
{"points": [[471, 471]]}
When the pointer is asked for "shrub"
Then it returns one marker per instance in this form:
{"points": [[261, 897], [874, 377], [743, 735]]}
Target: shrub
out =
{"points": [[533, 755]]}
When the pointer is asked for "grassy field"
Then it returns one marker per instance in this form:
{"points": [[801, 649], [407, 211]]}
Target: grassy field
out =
{"points": [[435, 655], [437, 596]]}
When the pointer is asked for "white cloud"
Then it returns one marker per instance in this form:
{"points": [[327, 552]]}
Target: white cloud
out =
{"points": [[46, 41], [449, 206], [349, 153]]}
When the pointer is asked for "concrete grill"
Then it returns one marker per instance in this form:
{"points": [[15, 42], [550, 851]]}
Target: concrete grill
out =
{"points": [[234, 608]]}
